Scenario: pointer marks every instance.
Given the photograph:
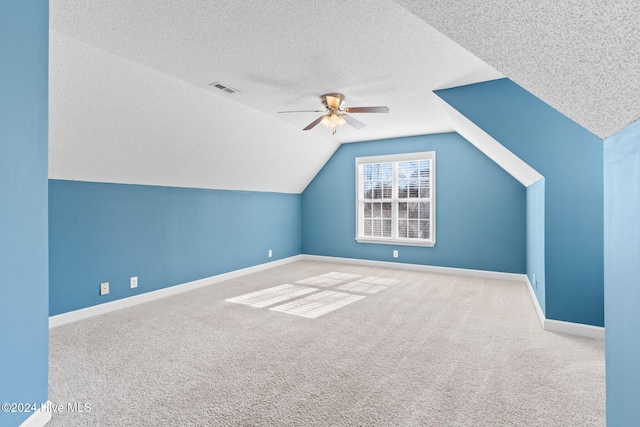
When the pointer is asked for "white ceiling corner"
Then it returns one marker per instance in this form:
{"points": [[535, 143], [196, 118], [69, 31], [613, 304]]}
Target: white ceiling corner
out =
{"points": [[130, 101]]}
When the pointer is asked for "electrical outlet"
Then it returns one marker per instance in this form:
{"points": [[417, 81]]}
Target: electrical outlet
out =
{"points": [[270, 253], [535, 282], [133, 282], [104, 288], [395, 254]]}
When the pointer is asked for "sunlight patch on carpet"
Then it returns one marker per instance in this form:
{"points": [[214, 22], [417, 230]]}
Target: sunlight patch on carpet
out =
{"points": [[316, 305], [272, 295], [365, 288], [320, 281], [379, 281], [340, 276]]}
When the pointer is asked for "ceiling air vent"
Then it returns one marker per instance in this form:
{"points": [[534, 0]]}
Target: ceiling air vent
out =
{"points": [[223, 87]]}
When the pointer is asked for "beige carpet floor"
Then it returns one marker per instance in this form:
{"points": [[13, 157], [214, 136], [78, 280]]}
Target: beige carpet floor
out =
{"points": [[412, 349]]}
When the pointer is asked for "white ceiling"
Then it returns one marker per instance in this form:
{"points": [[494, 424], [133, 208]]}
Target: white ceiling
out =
{"points": [[580, 56], [130, 99], [114, 120]]}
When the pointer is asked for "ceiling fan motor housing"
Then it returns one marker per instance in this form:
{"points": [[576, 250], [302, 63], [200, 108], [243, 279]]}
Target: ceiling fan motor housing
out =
{"points": [[332, 100]]}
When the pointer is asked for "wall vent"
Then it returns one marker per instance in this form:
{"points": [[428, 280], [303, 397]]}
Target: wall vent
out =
{"points": [[223, 87]]}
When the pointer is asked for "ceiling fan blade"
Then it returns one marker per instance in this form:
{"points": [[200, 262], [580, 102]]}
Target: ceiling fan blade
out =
{"points": [[314, 123], [303, 111], [352, 122], [367, 110]]}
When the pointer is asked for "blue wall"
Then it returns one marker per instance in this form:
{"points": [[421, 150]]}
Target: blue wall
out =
{"points": [[536, 240], [166, 236], [480, 209], [622, 275], [571, 160], [23, 205]]}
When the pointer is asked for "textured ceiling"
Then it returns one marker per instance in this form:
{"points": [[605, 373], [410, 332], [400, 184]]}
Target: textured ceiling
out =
{"points": [[114, 120], [130, 99], [580, 56]]}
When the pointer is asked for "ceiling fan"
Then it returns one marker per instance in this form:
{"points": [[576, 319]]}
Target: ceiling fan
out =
{"points": [[336, 116]]}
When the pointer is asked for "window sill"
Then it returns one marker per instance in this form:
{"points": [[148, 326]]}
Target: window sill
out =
{"points": [[403, 242]]}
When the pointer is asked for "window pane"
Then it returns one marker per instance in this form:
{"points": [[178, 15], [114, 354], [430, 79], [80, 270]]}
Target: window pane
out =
{"points": [[387, 189], [368, 189], [402, 228], [376, 210], [403, 171], [380, 171], [367, 209], [413, 188], [425, 168], [376, 174], [377, 190], [366, 172], [386, 210], [414, 229], [413, 210], [424, 210], [367, 227], [403, 189], [424, 230], [402, 210], [377, 228], [424, 189], [387, 171], [386, 227]]}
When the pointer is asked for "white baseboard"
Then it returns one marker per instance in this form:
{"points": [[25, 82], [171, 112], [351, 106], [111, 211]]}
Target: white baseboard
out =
{"points": [[536, 304], [39, 418], [550, 325], [419, 267], [579, 329], [84, 313]]}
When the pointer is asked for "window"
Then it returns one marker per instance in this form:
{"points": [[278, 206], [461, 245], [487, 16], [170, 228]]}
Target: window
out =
{"points": [[396, 199]]}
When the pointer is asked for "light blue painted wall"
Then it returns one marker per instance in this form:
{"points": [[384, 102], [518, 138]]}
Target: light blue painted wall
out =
{"points": [[480, 209], [23, 205], [571, 160], [166, 236], [535, 239], [622, 275]]}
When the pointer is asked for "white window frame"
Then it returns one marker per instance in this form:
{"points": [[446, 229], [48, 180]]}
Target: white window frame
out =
{"points": [[394, 159]]}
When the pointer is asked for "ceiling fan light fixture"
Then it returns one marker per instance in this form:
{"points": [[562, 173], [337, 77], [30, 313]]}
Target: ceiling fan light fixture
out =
{"points": [[333, 120]]}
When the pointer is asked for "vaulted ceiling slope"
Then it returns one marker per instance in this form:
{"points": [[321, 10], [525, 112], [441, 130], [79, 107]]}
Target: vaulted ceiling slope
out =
{"points": [[131, 101], [582, 57]]}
